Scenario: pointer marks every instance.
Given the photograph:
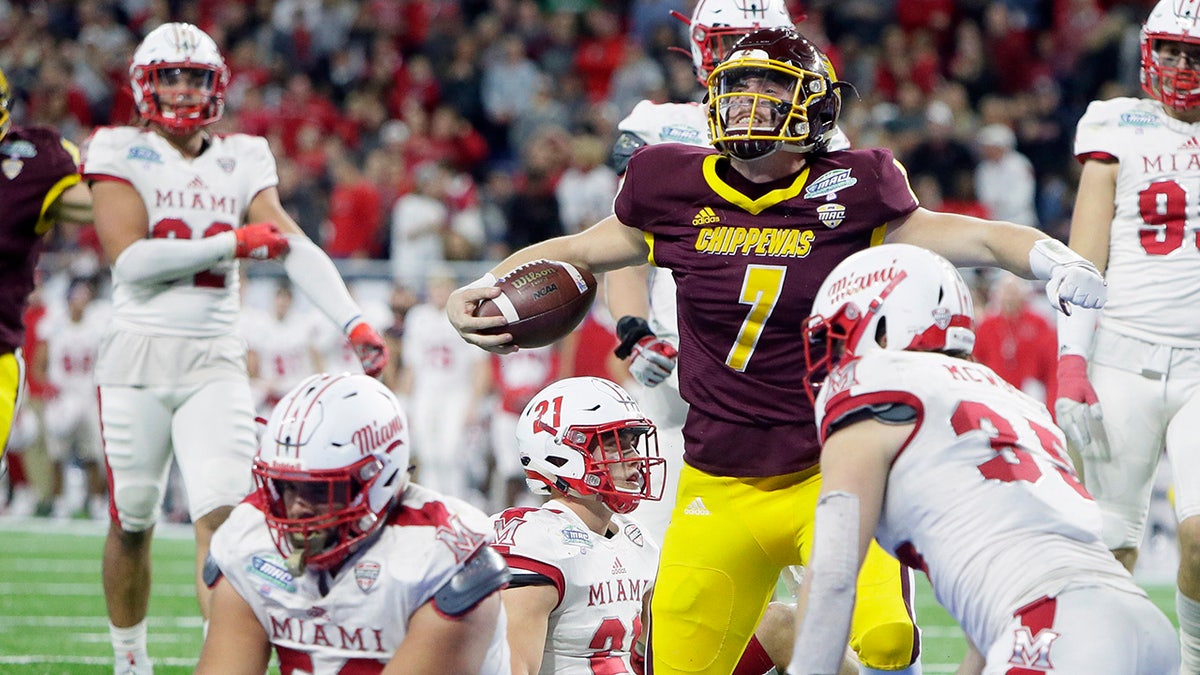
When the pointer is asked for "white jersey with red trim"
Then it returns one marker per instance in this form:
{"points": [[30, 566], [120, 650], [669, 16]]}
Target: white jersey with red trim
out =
{"points": [[982, 497], [362, 617], [185, 199], [1154, 248], [600, 583]]}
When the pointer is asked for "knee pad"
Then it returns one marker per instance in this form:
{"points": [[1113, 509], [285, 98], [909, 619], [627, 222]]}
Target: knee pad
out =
{"points": [[690, 610], [137, 507], [888, 646]]}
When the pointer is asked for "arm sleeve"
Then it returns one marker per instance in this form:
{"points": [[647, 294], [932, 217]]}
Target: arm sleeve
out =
{"points": [[316, 276], [151, 261], [833, 573], [1076, 330]]}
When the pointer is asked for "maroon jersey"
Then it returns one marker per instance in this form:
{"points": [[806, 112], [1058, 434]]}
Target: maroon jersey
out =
{"points": [[748, 259], [35, 168]]}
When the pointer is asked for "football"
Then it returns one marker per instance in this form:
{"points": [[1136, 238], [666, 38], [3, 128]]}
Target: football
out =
{"points": [[543, 300]]}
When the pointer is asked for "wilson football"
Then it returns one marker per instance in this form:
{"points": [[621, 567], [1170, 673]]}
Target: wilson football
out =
{"points": [[543, 300]]}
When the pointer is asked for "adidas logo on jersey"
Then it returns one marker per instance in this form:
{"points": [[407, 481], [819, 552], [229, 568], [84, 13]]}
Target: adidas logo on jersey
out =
{"points": [[697, 508], [705, 217], [1192, 143], [197, 184], [618, 568]]}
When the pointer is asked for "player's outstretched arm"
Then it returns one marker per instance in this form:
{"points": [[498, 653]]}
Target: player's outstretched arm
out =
{"points": [[236, 642], [607, 245], [437, 644], [1022, 250]]}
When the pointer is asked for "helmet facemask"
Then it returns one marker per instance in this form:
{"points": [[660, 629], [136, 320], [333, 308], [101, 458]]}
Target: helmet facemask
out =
{"points": [[622, 464], [318, 517], [182, 97], [1164, 76]]}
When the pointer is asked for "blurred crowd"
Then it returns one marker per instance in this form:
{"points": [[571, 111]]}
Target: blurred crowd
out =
{"points": [[413, 131], [431, 135]]}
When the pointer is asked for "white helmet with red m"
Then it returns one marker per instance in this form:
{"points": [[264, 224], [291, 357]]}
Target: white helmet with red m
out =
{"points": [[895, 296], [715, 25], [587, 436], [333, 460], [179, 78], [1164, 76]]}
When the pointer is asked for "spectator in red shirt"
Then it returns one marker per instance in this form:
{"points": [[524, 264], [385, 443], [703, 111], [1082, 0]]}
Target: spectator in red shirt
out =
{"points": [[1016, 341], [355, 213], [600, 53]]}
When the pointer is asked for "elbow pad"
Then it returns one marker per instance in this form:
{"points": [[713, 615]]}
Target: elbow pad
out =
{"points": [[484, 573]]}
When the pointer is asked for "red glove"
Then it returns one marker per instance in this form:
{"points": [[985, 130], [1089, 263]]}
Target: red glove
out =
{"points": [[1077, 410], [370, 348], [260, 241]]}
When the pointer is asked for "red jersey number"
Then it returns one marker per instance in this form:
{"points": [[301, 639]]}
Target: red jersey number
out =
{"points": [[1163, 205], [1012, 462]]}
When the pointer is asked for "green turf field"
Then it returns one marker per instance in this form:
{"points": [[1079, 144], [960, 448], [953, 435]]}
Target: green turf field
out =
{"points": [[52, 608]]}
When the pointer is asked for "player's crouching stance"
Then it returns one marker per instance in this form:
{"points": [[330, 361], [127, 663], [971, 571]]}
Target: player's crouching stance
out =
{"points": [[958, 474], [341, 563], [581, 566]]}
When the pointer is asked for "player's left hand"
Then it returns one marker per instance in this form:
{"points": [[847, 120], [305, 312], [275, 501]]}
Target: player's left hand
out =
{"points": [[1076, 282], [370, 348]]}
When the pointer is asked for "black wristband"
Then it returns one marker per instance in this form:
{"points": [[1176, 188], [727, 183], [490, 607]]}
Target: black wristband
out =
{"points": [[630, 329]]}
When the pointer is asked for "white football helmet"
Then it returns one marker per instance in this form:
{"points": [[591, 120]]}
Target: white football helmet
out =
{"points": [[1175, 21], [909, 295], [183, 58], [715, 25], [587, 436], [339, 443]]}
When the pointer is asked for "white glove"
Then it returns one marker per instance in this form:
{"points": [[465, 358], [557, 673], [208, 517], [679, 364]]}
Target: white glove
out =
{"points": [[1078, 409], [1070, 278], [1077, 283], [653, 360]]}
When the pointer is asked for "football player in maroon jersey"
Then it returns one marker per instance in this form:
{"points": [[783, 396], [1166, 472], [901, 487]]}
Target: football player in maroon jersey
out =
{"points": [[749, 231], [40, 186]]}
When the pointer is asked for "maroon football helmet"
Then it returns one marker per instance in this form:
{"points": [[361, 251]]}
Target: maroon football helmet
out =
{"points": [[776, 90]]}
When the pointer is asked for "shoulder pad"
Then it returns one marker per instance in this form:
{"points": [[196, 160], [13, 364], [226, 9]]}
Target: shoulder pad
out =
{"points": [[484, 573], [623, 149], [212, 572]]}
